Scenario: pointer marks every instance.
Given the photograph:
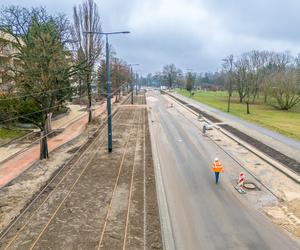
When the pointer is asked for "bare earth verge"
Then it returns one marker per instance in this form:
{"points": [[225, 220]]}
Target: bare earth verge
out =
{"points": [[100, 200]]}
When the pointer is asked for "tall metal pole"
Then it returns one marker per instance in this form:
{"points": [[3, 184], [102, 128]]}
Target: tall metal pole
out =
{"points": [[108, 105], [131, 85], [136, 83]]}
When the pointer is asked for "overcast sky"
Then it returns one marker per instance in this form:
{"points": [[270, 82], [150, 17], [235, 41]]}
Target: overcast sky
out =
{"points": [[192, 34]]}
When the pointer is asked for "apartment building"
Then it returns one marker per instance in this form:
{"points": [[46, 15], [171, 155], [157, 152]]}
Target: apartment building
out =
{"points": [[7, 60]]}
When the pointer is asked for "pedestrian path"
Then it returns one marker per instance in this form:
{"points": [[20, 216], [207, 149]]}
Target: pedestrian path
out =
{"points": [[15, 146], [18, 164], [283, 144]]}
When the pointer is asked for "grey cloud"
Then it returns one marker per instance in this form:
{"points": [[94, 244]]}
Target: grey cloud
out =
{"points": [[267, 19], [193, 34]]}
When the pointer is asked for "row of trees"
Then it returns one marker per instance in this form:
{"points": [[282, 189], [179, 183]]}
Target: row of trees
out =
{"points": [[273, 75], [252, 75], [171, 76], [54, 59], [120, 73]]}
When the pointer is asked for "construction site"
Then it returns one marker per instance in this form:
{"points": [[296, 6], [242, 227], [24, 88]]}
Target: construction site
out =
{"points": [[90, 199]]}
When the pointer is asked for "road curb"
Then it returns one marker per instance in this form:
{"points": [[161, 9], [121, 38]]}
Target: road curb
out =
{"points": [[164, 214], [289, 173], [283, 169]]}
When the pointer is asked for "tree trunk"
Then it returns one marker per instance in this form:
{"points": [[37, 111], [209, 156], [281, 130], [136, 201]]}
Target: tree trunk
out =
{"points": [[44, 145], [49, 123], [265, 98], [228, 108], [248, 108], [80, 93], [241, 99], [89, 99]]}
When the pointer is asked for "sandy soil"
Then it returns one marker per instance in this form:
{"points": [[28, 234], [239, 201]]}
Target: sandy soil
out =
{"points": [[15, 196], [81, 207]]}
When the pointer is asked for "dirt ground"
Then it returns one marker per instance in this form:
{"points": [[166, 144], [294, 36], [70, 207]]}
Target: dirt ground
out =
{"points": [[99, 201], [20, 192]]}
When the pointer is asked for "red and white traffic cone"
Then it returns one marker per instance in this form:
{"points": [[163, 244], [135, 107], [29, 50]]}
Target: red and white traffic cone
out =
{"points": [[240, 185]]}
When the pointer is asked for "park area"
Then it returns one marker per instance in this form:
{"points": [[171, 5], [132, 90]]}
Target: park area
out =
{"points": [[282, 121]]}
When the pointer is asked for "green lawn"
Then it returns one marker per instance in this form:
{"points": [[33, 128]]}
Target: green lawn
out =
{"points": [[285, 122], [9, 134]]}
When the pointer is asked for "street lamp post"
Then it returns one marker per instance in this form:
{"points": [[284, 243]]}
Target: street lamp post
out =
{"points": [[108, 97], [131, 85], [136, 84]]}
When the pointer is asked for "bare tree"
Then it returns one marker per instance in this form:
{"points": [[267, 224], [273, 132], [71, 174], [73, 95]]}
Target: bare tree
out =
{"points": [[228, 67], [239, 76], [87, 25], [256, 61], [170, 74], [286, 89]]}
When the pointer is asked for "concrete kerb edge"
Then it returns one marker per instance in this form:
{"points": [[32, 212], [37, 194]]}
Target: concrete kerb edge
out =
{"points": [[273, 163], [231, 156], [289, 173], [165, 221]]}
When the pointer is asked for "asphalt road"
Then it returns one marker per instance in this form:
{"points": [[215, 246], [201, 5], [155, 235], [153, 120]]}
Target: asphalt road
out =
{"points": [[264, 131], [204, 215]]}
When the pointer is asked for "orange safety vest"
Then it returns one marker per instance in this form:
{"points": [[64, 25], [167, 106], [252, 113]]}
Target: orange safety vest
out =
{"points": [[217, 167]]}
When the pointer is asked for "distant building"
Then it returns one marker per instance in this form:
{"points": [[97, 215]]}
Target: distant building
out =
{"points": [[8, 60]]}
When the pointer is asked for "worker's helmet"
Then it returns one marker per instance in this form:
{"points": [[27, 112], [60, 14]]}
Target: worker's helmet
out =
{"points": [[216, 159]]}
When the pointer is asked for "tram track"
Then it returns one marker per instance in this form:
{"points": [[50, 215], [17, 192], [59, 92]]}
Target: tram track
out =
{"points": [[99, 202], [69, 167], [132, 132]]}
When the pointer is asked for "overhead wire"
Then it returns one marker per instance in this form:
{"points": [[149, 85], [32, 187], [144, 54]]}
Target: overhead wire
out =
{"points": [[42, 110]]}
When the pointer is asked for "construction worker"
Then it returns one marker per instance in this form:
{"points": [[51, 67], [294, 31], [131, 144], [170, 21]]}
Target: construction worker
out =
{"points": [[217, 168]]}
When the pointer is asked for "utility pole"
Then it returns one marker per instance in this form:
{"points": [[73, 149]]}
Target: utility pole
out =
{"points": [[108, 97], [136, 84], [131, 84]]}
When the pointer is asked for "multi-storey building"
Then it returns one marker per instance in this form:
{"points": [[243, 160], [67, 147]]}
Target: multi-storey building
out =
{"points": [[8, 60]]}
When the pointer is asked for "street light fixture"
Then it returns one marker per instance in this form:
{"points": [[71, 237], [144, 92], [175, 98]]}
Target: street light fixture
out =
{"points": [[108, 97]]}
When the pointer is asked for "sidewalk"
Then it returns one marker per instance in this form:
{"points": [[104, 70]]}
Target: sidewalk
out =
{"points": [[283, 144], [15, 146], [15, 166]]}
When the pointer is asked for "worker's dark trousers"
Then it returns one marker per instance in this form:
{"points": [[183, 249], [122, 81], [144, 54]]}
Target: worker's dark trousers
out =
{"points": [[217, 174]]}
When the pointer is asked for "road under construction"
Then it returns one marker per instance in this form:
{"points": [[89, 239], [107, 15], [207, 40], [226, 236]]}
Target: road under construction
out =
{"points": [[99, 200], [156, 190], [210, 215]]}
